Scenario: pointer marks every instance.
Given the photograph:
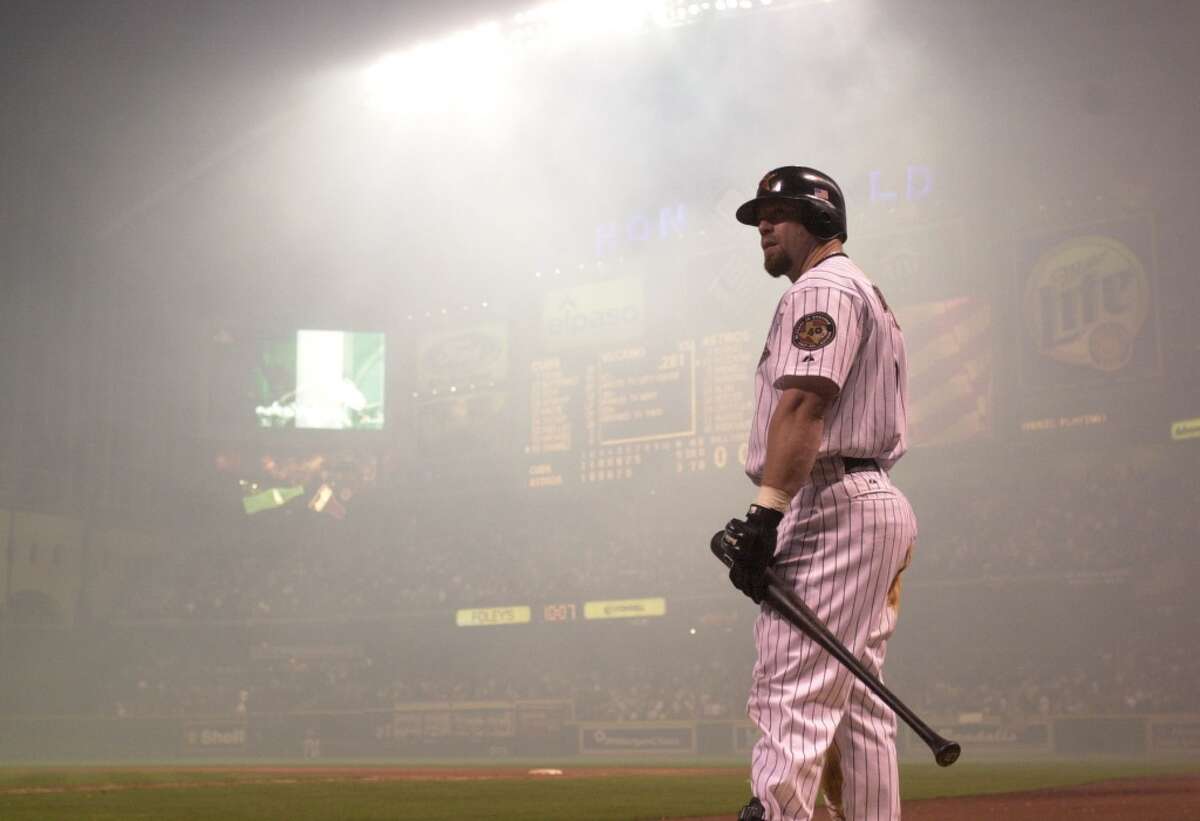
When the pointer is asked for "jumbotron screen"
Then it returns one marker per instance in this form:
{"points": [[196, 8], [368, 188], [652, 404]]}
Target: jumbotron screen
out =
{"points": [[326, 380]]}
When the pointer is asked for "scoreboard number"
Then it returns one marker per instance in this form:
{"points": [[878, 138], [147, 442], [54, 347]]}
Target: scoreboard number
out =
{"points": [[559, 612]]}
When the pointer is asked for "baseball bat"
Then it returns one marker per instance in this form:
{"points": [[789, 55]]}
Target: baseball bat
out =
{"points": [[792, 607]]}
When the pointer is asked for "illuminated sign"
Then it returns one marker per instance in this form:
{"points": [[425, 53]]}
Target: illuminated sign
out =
{"points": [[598, 313], [544, 475], [214, 737], [632, 737], [611, 237], [455, 358], [1185, 429], [625, 608], [268, 499], [918, 184], [1083, 420], [559, 612], [1086, 301], [487, 616]]}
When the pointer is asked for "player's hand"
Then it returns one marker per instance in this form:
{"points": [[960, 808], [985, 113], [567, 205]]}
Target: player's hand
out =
{"points": [[750, 543]]}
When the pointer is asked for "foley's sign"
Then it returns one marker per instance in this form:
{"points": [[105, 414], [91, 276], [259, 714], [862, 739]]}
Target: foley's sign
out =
{"points": [[488, 616]]}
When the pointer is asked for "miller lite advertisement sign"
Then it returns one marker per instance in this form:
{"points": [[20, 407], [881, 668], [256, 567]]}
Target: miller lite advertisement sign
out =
{"points": [[1087, 311]]}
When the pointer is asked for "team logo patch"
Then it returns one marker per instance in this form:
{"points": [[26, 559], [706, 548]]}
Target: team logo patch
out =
{"points": [[813, 331]]}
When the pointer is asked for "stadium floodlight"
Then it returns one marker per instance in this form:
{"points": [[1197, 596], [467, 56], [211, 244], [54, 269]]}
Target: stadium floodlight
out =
{"points": [[468, 71], [461, 71], [564, 23]]}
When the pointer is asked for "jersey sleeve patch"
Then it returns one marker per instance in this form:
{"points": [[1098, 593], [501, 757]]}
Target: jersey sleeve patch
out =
{"points": [[813, 331]]}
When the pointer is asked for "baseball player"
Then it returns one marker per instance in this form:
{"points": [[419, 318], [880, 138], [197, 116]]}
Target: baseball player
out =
{"points": [[831, 392]]}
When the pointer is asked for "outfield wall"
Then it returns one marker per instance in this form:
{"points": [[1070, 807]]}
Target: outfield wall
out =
{"points": [[534, 728]]}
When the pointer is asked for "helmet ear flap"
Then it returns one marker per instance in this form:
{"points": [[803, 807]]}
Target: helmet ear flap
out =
{"points": [[820, 223]]}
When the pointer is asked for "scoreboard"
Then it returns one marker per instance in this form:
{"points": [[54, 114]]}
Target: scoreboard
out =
{"points": [[612, 414]]}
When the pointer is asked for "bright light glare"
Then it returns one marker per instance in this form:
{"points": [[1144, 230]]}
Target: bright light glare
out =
{"points": [[463, 71], [567, 20], [468, 72]]}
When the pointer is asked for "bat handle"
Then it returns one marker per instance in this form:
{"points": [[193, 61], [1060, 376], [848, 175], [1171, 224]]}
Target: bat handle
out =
{"points": [[791, 607], [718, 549]]}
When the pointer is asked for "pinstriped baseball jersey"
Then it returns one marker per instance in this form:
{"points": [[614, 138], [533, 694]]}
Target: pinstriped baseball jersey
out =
{"points": [[841, 546], [844, 543], [833, 322]]}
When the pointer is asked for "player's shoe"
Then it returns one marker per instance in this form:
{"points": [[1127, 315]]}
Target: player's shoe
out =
{"points": [[753, 811]]}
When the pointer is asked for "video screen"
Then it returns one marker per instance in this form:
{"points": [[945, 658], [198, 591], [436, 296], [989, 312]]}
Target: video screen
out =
{"points": [[323, 380]]}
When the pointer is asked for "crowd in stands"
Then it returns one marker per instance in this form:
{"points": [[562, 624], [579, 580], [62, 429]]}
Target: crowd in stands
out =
{"points": [[1114, 518], [636, 673], [1118, 521], [388, 568], [614, 684], [347, 569], [1117, 678]]}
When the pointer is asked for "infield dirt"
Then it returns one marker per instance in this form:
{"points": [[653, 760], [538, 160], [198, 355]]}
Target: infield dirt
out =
{"points": [[1141, 799], [1146, 798]]}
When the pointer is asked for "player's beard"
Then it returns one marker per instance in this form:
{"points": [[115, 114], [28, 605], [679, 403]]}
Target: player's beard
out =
{"points": [[777, 264]]}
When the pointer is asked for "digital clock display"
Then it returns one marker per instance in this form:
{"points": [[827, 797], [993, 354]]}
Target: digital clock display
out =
{"points": [[558, 612]]}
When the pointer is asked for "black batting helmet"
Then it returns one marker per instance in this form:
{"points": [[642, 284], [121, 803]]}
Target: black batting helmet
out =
{"points": [[823, 207]]}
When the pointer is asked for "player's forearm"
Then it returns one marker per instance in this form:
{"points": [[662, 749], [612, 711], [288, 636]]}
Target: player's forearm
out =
{"points": [[793, 441]]}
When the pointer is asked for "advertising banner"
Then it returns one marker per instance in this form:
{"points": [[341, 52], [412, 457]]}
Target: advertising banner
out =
{"points": [[462, 358], [543, 719], [483, 720], [625, 608], [491, 616], [214, 737], [1086, 306], [950, 370], [593, 315], [745, 736], [1185, 429], [1085, 325], [638, 737], [1175, 734], [436, 721]]}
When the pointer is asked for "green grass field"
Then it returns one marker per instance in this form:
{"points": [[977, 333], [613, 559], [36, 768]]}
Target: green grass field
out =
{"points": [[165, 792]]}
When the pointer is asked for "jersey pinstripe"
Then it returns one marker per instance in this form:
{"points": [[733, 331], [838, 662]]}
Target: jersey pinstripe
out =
{"points": [[842, 546], [864, 357]]}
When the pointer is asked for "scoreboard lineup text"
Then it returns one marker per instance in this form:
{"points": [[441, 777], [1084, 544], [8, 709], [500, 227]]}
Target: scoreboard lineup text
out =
{"points": [[607, 416]]}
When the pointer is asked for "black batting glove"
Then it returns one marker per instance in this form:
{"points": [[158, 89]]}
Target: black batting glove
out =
{"points": [[750, 543]]}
